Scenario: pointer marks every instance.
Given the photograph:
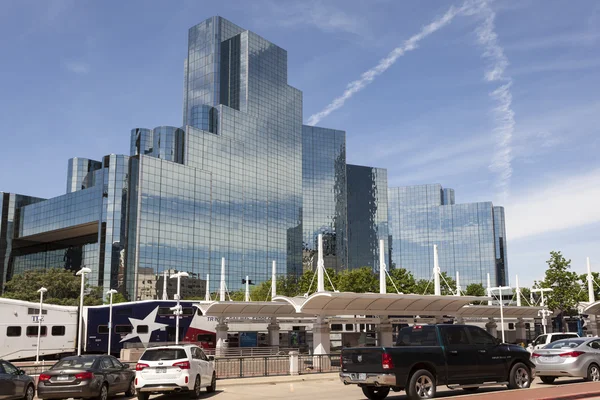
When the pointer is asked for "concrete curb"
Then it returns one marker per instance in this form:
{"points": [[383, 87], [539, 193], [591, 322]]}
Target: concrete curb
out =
{"points": [[275, 380]]}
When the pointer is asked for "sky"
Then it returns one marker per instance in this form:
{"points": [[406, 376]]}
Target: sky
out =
{"points": [[496, 99]]}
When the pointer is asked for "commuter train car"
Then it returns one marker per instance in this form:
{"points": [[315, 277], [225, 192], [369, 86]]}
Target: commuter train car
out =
{"points": [[19, 330], [145, 323]]}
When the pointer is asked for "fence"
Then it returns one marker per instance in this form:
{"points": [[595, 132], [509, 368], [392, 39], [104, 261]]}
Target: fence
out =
{"points": [[244, 367]]}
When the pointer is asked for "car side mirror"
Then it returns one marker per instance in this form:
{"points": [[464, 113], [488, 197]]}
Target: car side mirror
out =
{"points": [[125, 366], [211, 358]]}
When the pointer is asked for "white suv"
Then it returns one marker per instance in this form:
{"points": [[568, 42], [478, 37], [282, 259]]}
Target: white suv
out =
{"points": [[548, 338], [173, 369]]}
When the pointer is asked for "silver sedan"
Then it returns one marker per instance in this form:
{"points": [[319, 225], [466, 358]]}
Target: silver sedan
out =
{"points": [[574, 357]]}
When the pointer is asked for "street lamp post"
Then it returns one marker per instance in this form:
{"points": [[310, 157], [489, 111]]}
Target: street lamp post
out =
{"points": [[110, 294], [41, 291], [177, 309], [81, 273]]}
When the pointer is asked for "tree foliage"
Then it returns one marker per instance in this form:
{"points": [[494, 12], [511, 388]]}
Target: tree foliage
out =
{"points": [[566, 289], [63, 287], [475, 289]]}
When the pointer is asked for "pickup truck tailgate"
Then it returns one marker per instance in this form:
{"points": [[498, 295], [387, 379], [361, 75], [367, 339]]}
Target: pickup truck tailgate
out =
{"points": [[362, 359]]}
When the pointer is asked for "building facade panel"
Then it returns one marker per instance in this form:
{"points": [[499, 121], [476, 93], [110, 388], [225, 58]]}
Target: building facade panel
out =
{"points": [[426, 215]]}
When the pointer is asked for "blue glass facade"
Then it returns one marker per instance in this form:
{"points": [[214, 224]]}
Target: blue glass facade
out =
{"points": [[469, 236], [324, 197], [242, 179], [367, 215]]}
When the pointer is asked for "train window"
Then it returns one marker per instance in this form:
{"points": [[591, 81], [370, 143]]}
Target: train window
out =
{"points": [[204, 338], [349, 327], [188, 311], [527, 325], [103, 329], [33, 331], [164, 311], [124, 311], [511, 326], [36, 311], [142, 329], [198, 311], [336, 327], [123, 329], [13, 331], [58, 331]]}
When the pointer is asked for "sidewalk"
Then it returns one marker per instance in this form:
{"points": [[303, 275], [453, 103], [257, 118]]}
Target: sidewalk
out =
{"points": [[571, 391], [274, 380]]}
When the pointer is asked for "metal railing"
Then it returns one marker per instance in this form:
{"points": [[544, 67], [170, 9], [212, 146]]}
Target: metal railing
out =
{"points": [[318, 363], [244, 367], [240, 367]]}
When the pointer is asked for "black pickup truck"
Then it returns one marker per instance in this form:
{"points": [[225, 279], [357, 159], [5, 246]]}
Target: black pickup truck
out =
{"points": [[459, 356]]}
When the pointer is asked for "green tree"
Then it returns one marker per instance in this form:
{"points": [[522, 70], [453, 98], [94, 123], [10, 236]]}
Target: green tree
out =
{"points": [[475, 289], [63, 287], [563, 282], [358, 280], [403, 279], [447, 285], [117, 298], [308, 282]]}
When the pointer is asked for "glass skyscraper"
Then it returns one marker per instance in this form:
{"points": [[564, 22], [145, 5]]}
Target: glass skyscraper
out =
{"points": [[242, 179], [471, 237]]}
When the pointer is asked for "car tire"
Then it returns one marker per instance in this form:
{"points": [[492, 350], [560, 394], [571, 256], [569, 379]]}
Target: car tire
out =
{"points": [[422, 385], [375, 393], [143, 396], [520, 377], [197, 388], [593, 373], [213, 384], [472, 389], [103, 394], [548, 380], [29, 393], [131, 391]]}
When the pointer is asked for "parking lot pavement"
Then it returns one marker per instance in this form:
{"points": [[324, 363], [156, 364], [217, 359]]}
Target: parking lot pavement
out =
{"points": [[328, 387]]}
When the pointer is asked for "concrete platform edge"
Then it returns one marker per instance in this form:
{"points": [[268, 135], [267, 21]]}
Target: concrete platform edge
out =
{"points": [[265, 380]]}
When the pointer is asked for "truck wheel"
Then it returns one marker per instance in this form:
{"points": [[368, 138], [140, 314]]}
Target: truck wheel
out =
{"points": [[519, 378], [375, 393], [422, 385], [548, 379]]}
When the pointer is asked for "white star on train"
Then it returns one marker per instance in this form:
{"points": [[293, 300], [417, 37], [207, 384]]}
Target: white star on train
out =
{"points": [[149, 321]]}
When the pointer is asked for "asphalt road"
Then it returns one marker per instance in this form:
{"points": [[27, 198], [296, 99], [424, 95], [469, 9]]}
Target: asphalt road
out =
{"points": [[328, 389]]}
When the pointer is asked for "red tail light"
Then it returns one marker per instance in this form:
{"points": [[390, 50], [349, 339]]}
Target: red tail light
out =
{"points": [[182, 365], [386, 361], [140, 366], [44, 377], [572, 354], [535, 355], [84, 376]]}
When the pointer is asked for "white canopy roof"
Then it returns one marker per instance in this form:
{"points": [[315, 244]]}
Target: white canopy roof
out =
{"points": [[494, 311], [592, 308], [247, 309], [335, 303]]}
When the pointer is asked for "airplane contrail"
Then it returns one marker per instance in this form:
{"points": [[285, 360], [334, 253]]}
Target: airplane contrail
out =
{"points": [[367, 77]]}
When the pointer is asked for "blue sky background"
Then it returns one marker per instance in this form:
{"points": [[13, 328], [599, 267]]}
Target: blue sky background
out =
{"points": [[77, 76]]}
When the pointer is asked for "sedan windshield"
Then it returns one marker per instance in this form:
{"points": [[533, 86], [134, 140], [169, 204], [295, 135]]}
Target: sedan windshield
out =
{"points": [[81, 363], [565, 344]]}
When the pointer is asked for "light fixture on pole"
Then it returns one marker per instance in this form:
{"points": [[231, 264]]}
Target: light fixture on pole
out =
{"points": [[177, 309], [501, 301], [110, 294], [81, 273], [41, 291]]}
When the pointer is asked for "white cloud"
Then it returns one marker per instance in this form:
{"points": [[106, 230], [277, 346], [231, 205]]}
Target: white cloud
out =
{"points": [[369, 76], [77, 67], [563, 203]]}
